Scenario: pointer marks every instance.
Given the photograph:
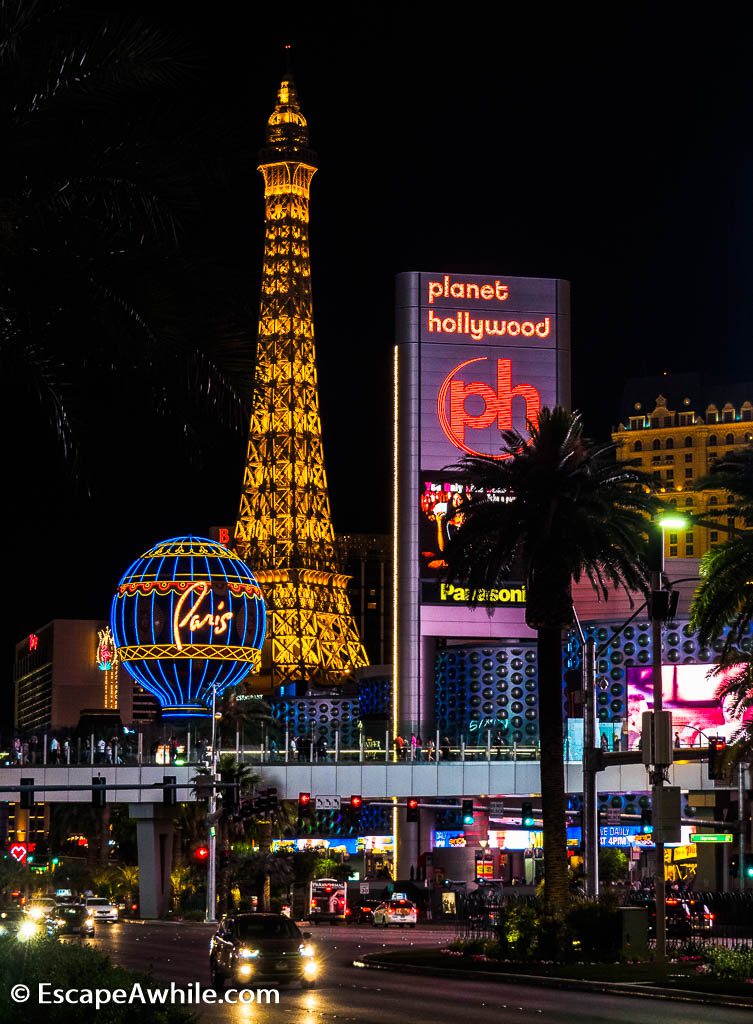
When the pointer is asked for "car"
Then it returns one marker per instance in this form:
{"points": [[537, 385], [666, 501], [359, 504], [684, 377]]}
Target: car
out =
{"points": [[261, 947], [362, 911], [679, 921], [14, 921], [400, 912], [101, 909], [40, 908], [69, 919], [702, 920]]}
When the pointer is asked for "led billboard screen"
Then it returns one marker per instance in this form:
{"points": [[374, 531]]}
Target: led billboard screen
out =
{"points": [[691, 694], [475, 355]]}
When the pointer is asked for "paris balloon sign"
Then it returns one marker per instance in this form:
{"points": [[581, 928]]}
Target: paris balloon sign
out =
{"points": [[188, 620]]}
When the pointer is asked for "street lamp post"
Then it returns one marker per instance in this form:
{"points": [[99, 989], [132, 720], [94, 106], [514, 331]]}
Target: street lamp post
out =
{"points": [[211, 912], [659, 606]]}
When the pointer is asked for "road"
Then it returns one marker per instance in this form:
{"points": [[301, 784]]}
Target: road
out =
{"points": [[178, 952]]}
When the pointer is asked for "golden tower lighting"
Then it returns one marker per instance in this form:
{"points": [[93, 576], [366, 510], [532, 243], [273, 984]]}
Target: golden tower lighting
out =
{"points": [[284, 527]]}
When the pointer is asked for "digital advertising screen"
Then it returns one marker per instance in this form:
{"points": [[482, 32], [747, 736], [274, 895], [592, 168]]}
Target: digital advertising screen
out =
{"points": [[691, 693]]}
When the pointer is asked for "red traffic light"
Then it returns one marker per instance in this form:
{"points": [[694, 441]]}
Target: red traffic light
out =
{"points": [[413, 802], [719, 743], [201, 853], [304, 799], [356, 802], [412, 808]]}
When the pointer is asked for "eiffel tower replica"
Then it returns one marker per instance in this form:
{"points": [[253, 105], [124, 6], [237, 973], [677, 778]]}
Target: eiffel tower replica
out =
{"points": [[284, 527]]}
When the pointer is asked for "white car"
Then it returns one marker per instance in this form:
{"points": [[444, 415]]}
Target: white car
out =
{"points": [[400, 912], [101, 909]]}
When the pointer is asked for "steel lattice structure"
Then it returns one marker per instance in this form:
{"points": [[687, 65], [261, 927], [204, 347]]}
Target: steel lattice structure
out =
{"points": [[284, 528]]}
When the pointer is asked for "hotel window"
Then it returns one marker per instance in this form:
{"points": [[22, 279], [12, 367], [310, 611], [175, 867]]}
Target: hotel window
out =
{"points": [[713, 536], [747, 414], [729, 439], [655, 459], [688, 473], [372, 606], [673, 538], [637, 447], [688, 442], [656, 445], [728, 415], [670, 443], [689, 549], [712, 441], [673, 551], [689, 457], [670, 474], [713, 500], [690, 503]]}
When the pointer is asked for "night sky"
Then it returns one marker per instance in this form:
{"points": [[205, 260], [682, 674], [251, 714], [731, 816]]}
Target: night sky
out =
{"points": [[616, 154]]}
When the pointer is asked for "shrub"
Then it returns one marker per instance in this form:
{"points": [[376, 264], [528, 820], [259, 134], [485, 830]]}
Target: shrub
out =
{"points": [[71, 966], [734, 964]]}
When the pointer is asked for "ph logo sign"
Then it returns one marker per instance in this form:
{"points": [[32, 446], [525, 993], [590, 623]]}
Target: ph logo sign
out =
{"points": [[456, 419]]}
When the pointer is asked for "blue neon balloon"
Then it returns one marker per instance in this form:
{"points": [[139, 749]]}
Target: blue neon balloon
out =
{"points": [[188, 619]]}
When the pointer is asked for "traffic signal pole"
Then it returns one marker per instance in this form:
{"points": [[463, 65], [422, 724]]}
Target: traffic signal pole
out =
{"points": [[590, 820], [211, 914]]}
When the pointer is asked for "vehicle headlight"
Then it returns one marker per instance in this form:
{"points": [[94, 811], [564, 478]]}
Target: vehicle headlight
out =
{"points": [[248, 954], [310, 969], [27, 930], [245, 970], [36, 913], [306, 950], [89, 919]]}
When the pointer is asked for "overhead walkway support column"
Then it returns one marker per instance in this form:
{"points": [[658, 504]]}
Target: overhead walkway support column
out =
{"points": [[154, 832]]}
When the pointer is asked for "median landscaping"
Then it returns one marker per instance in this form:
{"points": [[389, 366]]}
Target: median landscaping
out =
{"points": [[520, 941]]}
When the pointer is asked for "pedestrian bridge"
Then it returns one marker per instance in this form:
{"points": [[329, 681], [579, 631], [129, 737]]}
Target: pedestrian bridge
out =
{"points": [[143, 784]]}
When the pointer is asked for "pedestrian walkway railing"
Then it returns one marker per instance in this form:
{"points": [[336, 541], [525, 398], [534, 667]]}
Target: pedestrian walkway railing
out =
{"points": [[188, 747]]}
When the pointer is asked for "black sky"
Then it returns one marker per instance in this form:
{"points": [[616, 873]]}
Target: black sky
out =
{"points": [[615, 153]]}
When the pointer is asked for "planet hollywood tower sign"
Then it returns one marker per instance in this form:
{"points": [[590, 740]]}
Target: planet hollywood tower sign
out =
{"points": [[475, 355]]}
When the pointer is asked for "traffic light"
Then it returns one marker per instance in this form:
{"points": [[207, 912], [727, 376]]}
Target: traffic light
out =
{"points": [[646, 818], [748, 866], [26, 798], [467, 812], [527, 819], [717, 747], [262, 803], [356, 802], [99, 792], [662, 605], [201, 853], [304, 807], [169, 793], [412, 809]]}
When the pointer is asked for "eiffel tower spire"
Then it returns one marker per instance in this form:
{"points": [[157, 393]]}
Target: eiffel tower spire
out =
{"points": [[284, 527]]}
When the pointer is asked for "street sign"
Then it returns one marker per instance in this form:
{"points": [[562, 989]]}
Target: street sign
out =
{"points": [[711, 837], [497, 810], [327, 803], [614, 815]]}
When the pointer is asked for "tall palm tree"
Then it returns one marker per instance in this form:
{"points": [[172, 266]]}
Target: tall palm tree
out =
{"points": [[723, 603], [554, 509], [102, 178], [724, 598]]}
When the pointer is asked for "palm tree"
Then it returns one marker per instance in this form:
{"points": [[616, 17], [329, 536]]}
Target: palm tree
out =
{"points": [[101, 182], [723, 603], [553, 509], [724, 599]]}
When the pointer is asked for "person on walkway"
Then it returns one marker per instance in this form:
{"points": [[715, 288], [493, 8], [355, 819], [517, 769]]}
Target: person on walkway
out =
{"points": [[55, 750], [419, 748], [445, 748]]}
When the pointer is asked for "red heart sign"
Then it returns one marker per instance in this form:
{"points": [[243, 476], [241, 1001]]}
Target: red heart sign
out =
{"points": [[18, 853]]}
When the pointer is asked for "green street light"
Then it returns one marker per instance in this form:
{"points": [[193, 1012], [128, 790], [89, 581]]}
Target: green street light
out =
{"points": [[673, 521]]}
